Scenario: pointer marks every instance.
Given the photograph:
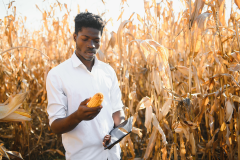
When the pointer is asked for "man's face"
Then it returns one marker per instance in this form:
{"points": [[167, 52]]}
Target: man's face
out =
{"points": [[87, 43]]}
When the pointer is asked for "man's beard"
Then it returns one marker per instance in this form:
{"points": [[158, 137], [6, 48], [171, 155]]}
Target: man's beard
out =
{"points": [[78, 49], [87, 59]]}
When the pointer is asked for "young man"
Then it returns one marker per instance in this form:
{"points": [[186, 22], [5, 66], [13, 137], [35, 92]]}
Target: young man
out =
{"points": [[69, 88]]}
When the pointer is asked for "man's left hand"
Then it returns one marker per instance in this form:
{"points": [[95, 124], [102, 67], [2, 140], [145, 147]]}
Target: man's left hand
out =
{"points": [[106, 140]]}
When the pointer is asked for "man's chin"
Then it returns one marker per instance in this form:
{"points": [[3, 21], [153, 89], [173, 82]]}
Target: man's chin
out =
{"points": [[89, 59], [92, 57]]}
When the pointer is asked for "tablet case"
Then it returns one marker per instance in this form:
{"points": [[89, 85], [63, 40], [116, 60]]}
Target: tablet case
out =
{"points": [[117, 135]]}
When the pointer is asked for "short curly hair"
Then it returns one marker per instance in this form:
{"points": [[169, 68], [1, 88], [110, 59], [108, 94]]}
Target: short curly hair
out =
{"points": [[87, 19]]}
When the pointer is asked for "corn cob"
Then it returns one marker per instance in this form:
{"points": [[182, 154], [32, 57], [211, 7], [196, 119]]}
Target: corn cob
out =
{"points": [[23, 114], [96, 100]]}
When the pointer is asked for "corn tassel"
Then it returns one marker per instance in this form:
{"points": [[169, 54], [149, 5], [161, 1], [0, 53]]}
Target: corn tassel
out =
{"points": [[96, 100]]}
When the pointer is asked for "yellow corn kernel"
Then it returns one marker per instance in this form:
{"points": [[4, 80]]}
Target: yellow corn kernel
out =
{"points": [[23, 114], [96, 100]]}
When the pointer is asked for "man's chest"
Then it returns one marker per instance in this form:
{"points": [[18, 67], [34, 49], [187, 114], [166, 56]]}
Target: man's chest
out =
{"points": [[80, 85]]}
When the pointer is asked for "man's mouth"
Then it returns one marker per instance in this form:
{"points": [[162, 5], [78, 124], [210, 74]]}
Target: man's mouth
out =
{"points": [[91, 53]]}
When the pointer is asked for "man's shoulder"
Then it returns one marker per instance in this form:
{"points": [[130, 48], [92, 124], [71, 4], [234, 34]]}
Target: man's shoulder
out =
{"points": [[106, 66], [62, 67]]}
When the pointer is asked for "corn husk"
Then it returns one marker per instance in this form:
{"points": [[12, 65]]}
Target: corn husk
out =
{"points": [[7, 109]]}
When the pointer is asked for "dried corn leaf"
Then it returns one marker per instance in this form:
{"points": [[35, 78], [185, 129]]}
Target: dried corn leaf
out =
{"points": [[156, 124], [137, 131], [237, 2], [151, 143], [14, 103], [210, 143], [193, 144], [55, 151], [144, 103], [235, 68], [178, 127], [140, 19], [166, 107], [157, 81], [7, 154], [198, 6], [235, 98], [223, 126], [14, 154], [15, 118], [164, 153], [120, 16], [132, 95], [101, 55], [130, 144], [3, 152], [229, 109], [120, 36], [148, 118], [184, 70], [185, 130], [236, 56]]}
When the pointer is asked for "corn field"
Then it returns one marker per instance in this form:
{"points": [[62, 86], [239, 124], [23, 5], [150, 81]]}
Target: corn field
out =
{"points": [[179, 77]]}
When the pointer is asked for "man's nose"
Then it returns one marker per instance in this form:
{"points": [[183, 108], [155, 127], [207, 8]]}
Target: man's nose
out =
{"points": [[91, 44]]}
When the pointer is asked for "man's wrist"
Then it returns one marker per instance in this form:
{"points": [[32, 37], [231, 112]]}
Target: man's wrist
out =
{"points": [[76, 118]]}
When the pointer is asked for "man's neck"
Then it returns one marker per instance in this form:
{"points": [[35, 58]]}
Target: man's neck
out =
{"points": [[87, 63]]}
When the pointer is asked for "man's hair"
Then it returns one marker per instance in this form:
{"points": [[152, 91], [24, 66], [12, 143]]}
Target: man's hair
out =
{"points": [[87, 19]]}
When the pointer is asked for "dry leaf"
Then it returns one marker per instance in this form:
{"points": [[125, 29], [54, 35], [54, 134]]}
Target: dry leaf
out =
{"points": [[14, 104], [151, 143], [166, 107], [144, 103], [120, 15], [156, 124], [148, 118], [137, 131], [140, 19], [237, 2], [229, 109], [193, 144], [157, 81]]}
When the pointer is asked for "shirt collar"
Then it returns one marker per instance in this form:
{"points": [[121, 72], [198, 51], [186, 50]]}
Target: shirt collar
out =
{"points": [[77, 62]]}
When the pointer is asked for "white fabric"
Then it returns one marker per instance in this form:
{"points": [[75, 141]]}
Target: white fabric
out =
{"points": [[68, 85]]}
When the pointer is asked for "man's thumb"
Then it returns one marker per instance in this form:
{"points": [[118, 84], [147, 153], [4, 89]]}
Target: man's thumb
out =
{"points": [[85, 101]]}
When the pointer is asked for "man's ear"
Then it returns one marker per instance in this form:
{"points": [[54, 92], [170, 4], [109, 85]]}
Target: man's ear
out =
{"points": [[74, 37]]}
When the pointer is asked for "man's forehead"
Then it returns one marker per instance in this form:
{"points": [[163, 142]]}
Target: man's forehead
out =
{"points": [[90, 32]]}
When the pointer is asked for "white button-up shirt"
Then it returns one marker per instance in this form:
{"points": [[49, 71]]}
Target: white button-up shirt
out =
{"points": [[68, 85]]}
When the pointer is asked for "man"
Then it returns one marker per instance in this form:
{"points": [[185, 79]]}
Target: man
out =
{"points": [[69, 88]]}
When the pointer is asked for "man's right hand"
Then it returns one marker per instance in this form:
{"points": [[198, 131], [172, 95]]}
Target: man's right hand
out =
{"points": [[63, 125], [87, 113]]}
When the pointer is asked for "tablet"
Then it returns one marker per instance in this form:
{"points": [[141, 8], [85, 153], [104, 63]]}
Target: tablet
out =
{"points": [[119, 132]]}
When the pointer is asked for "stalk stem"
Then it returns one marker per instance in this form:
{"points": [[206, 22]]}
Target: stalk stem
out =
{"points": [[221, 119], [238, 132], [236, 28], [175, 146]]}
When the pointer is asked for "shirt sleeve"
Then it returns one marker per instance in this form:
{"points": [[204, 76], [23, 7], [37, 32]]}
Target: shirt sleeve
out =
{"points": [[57, 100], [116, 95]]}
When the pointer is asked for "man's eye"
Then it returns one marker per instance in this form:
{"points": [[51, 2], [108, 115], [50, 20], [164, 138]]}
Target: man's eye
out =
{"points": [[84, 39], [97, 41]]}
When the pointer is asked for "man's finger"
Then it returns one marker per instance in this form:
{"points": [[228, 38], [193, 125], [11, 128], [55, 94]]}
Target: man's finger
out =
{"points": [[95, 109], [104, 144], [85, 101]]}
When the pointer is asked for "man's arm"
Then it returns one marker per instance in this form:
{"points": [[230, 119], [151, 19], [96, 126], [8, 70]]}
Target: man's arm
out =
{"points": [[63, 125], [118, 117]]}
